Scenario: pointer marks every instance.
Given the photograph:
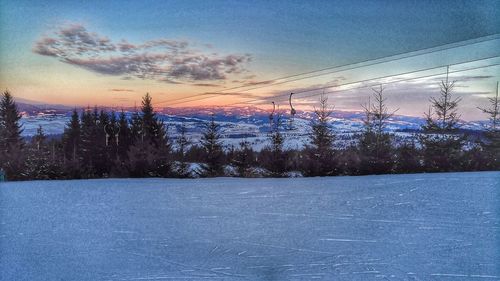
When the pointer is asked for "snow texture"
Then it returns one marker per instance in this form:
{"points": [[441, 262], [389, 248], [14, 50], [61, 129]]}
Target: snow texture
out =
{"points": [[394, 227]]}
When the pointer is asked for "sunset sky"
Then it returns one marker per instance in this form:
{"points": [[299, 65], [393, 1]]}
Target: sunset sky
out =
{"points": [[112, 52]]}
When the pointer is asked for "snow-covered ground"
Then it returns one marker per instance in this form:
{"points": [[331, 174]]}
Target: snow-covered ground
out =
{"points": [[395, 227]]}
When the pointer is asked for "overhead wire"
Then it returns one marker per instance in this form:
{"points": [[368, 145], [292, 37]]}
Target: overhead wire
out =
{"points": [[275, 97], [340, 68]]}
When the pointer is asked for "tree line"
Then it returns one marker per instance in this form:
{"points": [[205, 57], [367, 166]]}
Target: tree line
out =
{"points": [[98, 144]]}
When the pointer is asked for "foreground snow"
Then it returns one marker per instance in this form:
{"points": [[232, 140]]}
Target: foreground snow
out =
{"points": [[397, 227]]}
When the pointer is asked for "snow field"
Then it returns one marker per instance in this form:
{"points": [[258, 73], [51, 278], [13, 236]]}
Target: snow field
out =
{"points": [[392, 227]]}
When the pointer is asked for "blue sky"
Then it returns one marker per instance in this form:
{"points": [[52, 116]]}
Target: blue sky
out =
{"points": [[249, 41]]}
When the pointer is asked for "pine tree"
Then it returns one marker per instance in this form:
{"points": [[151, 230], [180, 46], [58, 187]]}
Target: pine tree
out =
{"points": [[71, 142], [442, 144], [11, 142], [88, 143], [124, 141], [155, 133], [136, 128], [182, 169], [102, 160], [214, 155], [243, 159], [274, 157], [151, 145], [153, 128], [38, 164], [112, 132], [141, 163], [375, 145], [320, 152], [57, 170], [491, 143], [408, 160]]}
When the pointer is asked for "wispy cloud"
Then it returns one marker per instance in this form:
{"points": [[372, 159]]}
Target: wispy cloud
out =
{"points": [[121, 90], [165, 60], [257, 83], [206, 85]]}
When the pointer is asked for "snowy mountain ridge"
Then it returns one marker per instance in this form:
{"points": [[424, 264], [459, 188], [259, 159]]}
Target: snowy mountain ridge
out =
{"points": [[237, 123]]}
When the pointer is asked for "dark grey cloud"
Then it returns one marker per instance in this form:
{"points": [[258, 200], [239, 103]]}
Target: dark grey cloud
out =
{"points": [[170, 61], [71, 41]]}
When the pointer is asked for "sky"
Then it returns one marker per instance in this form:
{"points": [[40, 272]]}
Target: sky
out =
{"points": [[195, 53]]}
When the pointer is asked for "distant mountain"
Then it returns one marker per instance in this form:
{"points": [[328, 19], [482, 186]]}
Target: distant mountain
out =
{"points": [[30, 107], [237, 123]]}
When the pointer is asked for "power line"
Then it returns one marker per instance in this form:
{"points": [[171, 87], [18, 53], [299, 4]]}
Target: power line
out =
{"points": [[273, 98], [344, 67], [464, 43], [406, 80]]}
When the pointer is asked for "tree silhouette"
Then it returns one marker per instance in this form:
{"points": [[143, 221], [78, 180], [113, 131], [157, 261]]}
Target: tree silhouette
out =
{"points": [[11, 142], [273, 157], [182, 169], [442, 143], [320, 155], [375, 145], [244, 159], [492, 136], [214, 156]]}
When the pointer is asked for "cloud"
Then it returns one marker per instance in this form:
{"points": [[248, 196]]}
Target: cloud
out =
{"points": [[121, 90], [256, 83], [73, 40], [165, 60], [206, 85], [245, 95]]}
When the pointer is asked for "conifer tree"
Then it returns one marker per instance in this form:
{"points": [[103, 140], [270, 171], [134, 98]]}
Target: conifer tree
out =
{"points": [[11, 142], [182, 169], [121, 140], [274, 158], [140, 154], [153, 128], [136, 128], [57, 170], [38, 163], [112, 132], [441, 141], [71, 142], [407, 158], [151, 145], [124, 137], [375, 145], [102, 160], [214, 155], [319, 152], [243, 159], [492, 136], [89, 143], [155, 132]]}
